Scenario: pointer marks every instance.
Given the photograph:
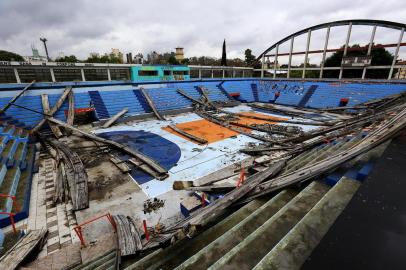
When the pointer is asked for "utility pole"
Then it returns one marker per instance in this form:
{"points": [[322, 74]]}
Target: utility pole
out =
{"points": [[44, 40]]}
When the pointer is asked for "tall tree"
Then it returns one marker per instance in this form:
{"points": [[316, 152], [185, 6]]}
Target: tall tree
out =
{"points": [[10, 56], [250, 59], [224, 54], [69, 59]]}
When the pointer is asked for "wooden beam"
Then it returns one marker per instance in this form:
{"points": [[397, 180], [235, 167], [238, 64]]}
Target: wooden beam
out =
{"points": [[13, 257], [45, 105], [161, 172], [188, 135], [58, 104], [14, 99], [189, 97], [151, 104], [129, 239], [113, 119], [71, 110]]}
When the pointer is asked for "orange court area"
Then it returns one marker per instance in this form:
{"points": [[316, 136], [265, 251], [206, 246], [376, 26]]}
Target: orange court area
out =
{"points": [[212, 132]]}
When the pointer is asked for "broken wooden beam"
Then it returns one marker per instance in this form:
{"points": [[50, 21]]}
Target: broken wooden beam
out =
{"points": [[161, 172], [54, 109], [14, 257], [113, 119], [189, 97], [120, 164], [14, 99], [151, 104], [188, 135], [71, 109], [129, 239], [45, 105]]}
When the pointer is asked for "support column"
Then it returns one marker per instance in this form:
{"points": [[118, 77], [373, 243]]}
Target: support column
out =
{"points": [[108, 74], [309, 34], [224, 72], [212, 73], [395, 57], [243, 73], [83, 74], [290, 56], [200, 73], [51, 70], [275, 65], [324, 52], [263, 65], [233, 73], [345, 48], [371, 41], [17, 76]]}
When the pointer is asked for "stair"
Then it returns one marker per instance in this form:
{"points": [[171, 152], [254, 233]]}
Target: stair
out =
{"points": [[308, 95], [142, 101], [254, 88], [99, 105], [104, 262]]}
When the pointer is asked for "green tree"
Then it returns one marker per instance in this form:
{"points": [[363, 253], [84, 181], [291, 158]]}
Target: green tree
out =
{"points": [[69, 59], [380, 56], [10, 56], [172, 60], [251, 60]]}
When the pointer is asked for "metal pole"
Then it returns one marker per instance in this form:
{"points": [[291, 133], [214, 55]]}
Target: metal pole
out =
{"points": [[290, 56], [263, 65], [395, 57], [371, 41], [324, 52], [309, 34], [275, 61], [345, 48], [17, 76]]}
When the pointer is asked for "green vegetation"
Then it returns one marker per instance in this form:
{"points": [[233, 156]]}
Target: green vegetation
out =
{"points": [[10, 56], [68, 59]]}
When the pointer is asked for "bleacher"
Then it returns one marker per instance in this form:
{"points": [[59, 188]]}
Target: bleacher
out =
{"points": [[16, 168]]}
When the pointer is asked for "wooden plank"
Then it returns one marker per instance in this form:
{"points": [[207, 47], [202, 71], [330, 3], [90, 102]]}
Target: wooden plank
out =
{"points": [[161, 172], [137, 163], [189, 97], [16, 255], [113, 119], [151, 104], [71, 110], [129, 239], [14, 99], [215, 209], [188, 135], [45, 105], [54, 109], [120, 164]]}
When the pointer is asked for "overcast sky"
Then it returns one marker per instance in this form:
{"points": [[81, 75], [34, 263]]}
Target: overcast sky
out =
{"points": [[83, 26]]}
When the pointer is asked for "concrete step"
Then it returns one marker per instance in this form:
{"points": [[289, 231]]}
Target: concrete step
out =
{"points": [[255, 246], [98, 262], [216, 249], [174, 255], [292, 251], [300, 163]]}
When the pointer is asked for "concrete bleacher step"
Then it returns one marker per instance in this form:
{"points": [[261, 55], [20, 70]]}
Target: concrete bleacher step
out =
{"points": [[176, 254], [306, 158], [292, 251], [255, 246], [219, 247], [105, 261], [302, 156]]}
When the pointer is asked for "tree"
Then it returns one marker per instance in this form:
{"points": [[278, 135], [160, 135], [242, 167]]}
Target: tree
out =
{"points": [[69, 59], [251, 60], [224, 55], [380, 56], [103, 59], [10, 56], [172, 60]]}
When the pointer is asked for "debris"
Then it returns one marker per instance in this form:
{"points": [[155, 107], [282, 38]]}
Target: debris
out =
{"points": [[153, 205], [113, 119]]}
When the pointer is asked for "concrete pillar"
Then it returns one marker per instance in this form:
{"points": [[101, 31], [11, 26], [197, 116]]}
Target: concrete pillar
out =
{"points": [[395, 57], [52, 74], [108, 74], [243, 73], [309, 34], [346, 48], [292, 40], [200, 73], [212, 73], [275, 61], [324, 52], [224, 73], [263, 65], [371, 41], [17, 76], [83, 74]]}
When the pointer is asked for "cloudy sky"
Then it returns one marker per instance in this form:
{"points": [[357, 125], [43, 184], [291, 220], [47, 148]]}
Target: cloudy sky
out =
{"points": [[83, 26]]}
